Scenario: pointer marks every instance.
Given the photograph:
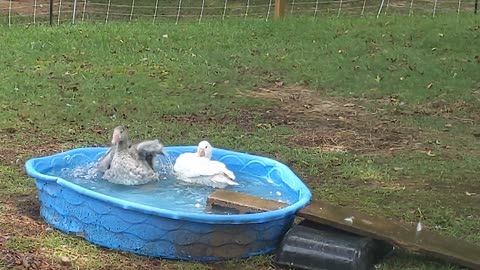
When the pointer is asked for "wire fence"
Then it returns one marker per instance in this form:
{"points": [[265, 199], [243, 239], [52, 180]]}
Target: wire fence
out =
{"points": [[76, 11]]}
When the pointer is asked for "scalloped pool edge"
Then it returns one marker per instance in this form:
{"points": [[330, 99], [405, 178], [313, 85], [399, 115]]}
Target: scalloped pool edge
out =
{"points": [[123, 225]]}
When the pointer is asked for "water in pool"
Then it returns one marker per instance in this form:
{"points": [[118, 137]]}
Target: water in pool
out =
{"points": [[170, 193]]}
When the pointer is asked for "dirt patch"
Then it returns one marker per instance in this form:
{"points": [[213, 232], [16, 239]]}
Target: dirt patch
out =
{"points": [[11, 219], [449, 110], [335, 124], [18, 144], [25, 7], [243, 119], [17, 225], [24, 260], [28, 206]]}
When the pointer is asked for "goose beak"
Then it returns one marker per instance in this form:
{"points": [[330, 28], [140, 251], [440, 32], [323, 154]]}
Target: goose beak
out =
{"points": [[115, 138], [201, 152]]}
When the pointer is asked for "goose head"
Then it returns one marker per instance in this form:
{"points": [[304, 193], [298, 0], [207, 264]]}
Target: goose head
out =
{"points": [[204, 149], [120, 135]]}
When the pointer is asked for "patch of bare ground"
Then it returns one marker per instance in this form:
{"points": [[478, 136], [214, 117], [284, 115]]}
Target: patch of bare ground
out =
{"points": [[16, 225], [449, 110], [18, 144], [25, 7], [335, 124], [15, 155], [243, 120], [26, 260]]}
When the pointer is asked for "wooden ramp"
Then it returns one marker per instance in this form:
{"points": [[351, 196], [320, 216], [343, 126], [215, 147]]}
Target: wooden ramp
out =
{"points": [[401, 235]]}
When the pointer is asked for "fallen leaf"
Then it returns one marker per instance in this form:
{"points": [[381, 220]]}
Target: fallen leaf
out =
{"points": [[430, 154], [378, 79], [470, 194], [437, 142], [349, 105], [429, 85], [265, 126]]}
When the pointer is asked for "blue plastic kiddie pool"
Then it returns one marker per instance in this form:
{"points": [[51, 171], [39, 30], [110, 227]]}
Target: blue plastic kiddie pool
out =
{"points": [[129, 226]]}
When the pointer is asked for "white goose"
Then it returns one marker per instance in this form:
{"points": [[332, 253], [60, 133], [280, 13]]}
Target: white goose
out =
{"points": [[199, 168]]}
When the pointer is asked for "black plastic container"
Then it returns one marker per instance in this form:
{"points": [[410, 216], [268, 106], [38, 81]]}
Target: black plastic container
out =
{"points": [[313, 246]]}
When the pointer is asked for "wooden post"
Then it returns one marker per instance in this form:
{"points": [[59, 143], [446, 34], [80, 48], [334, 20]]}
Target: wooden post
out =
{"points": [[50, 13], [280, 8]]}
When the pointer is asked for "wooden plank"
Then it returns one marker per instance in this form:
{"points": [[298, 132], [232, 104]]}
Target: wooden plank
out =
{"points": [[241, 202], [280, 8], [396, 233]]}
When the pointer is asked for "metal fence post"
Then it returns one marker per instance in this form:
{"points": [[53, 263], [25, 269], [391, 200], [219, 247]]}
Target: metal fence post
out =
{"points": [[74, 11]]}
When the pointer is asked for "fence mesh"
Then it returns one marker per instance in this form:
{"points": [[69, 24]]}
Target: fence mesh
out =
{"points": [[75, 11]]}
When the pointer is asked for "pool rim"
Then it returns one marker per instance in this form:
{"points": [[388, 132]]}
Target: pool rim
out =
{"points": [[303, 191]]}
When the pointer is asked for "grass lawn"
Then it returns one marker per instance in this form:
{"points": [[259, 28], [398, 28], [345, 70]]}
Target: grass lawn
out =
{"points": [[376, 114]]}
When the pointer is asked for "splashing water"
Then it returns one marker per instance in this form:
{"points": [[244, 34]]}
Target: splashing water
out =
{"points": [[170, 193], [165, 166]]}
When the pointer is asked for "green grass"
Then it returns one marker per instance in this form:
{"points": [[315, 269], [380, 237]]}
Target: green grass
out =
{"points": [[68, 86], [14, 183], [89, 64]]}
